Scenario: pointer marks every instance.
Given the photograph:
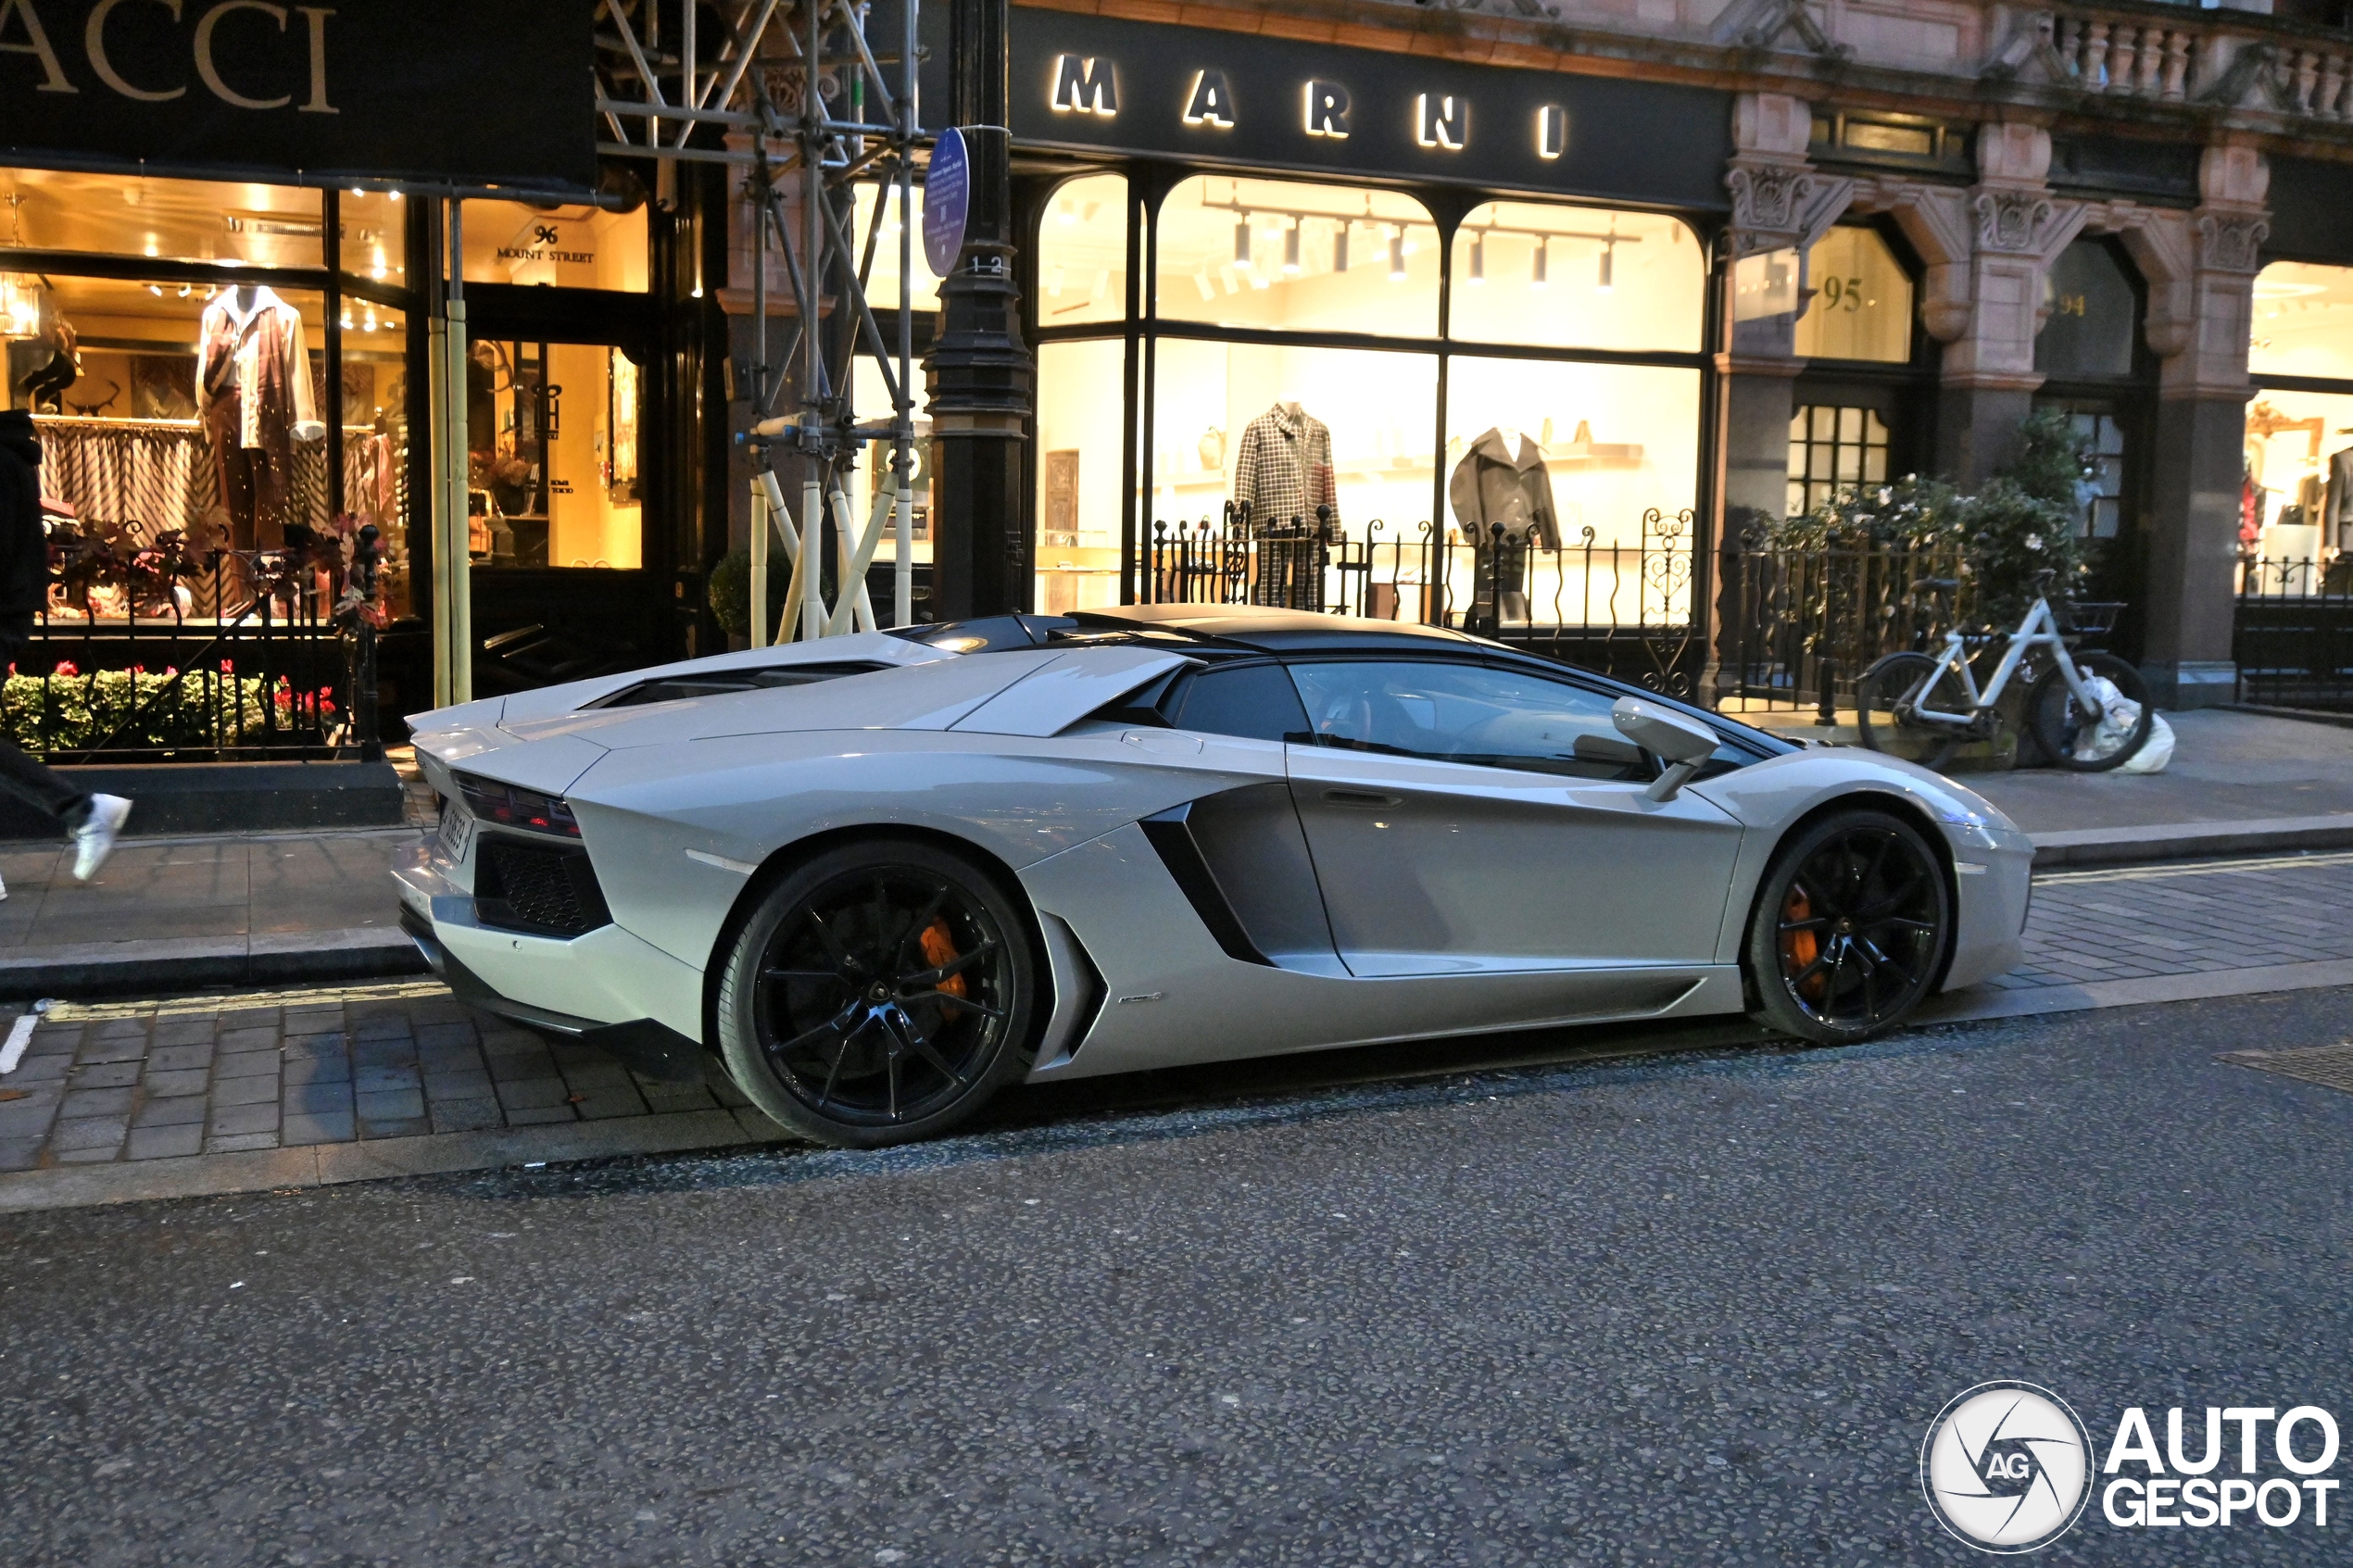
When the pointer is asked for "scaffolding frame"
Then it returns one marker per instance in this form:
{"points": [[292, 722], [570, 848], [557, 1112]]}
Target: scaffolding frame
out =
{"points": [[847, 116]]}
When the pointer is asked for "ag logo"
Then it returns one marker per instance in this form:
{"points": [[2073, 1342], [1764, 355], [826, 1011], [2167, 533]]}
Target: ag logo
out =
{"points": [[2007, 1467]]}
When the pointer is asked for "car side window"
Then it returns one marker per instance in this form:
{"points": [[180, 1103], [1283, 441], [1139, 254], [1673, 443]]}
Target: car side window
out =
{"points": [[1254, 701], [1467, 713]]}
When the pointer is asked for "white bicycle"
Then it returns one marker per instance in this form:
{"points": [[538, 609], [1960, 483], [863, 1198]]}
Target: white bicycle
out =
{"points": [[2090, 710]]}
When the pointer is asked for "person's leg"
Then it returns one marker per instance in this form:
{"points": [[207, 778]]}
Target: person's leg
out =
{"points": [[27, 779]]}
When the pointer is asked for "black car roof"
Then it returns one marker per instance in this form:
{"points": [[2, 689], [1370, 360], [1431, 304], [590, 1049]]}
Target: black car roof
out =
{"points": [[1234, 630]]}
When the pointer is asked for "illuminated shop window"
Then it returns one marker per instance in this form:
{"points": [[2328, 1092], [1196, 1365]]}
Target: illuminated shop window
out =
{"points": [[1275, 254], [564, 246], [1833, 449], [1862, 303], [554, 452], [170, 219], [1078, 463], [1082, 252], [1355, 423], [1573, 276], [2303, 322]]}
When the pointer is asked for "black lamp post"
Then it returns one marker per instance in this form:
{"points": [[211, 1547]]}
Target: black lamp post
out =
{"points": [[979, 368]]}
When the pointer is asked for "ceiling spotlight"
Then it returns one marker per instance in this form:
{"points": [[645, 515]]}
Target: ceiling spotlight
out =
{"points": [[1241, 241], [1291, 248], [1396, 255], [1606, 281], [187, 289], [1479, 258], [156, 289], [1340, 247], [1536, 278]]}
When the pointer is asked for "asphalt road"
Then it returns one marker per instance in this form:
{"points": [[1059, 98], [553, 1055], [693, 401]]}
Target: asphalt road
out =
{"points": [[1693, 1310]]}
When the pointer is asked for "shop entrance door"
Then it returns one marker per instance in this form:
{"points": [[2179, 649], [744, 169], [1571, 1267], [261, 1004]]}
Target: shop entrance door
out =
{"points": [[558, 508]]}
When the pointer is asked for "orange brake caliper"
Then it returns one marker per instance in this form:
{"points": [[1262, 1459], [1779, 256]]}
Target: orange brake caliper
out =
{"points": [[1799, 948], [939, 947]]}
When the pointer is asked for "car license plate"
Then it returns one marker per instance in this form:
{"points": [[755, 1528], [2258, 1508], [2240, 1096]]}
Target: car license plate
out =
{"points": [[457, 834]]}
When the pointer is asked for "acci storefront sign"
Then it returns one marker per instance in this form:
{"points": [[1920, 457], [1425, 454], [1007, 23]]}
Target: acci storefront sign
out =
{"points": [[1103, 83], [946, 200], [472, 91]]}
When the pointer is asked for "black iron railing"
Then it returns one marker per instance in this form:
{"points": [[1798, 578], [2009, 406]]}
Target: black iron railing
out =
{"points": [[1621, 608], [155, 656], [1796, 626], [2292, 632]]}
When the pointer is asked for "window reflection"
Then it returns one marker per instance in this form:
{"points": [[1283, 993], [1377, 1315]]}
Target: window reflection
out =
{"points": [[1862, 303], [171, 220]]}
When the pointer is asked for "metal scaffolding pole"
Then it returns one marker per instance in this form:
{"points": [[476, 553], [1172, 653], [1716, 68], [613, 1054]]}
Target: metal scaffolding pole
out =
{"points": [[813, 109]]}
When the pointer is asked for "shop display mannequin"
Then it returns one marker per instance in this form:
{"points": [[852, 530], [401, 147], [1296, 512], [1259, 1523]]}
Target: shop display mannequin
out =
{"points": [[1285, 495], [1283, 472], [254, 397], [1502, 480]]}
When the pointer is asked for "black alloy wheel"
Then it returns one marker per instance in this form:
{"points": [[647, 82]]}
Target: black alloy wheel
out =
{"points": [[878, 994], [1852, 921]]}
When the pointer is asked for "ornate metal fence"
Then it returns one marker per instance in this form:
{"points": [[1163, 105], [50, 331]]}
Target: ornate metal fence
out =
{"points": [[1622, 608], [2292, 632], [155, 656], [1795, 627]]}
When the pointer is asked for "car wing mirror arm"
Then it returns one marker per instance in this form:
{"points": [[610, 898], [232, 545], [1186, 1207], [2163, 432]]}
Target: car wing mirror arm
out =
{"points": [[1683, 743]]}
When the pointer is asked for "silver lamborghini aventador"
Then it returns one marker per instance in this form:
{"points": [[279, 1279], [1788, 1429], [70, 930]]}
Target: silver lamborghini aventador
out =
{"points": [[877, 877]]}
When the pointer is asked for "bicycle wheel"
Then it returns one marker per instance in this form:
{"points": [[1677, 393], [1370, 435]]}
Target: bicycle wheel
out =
{"points": [[1887, 700], [2091, 740]]}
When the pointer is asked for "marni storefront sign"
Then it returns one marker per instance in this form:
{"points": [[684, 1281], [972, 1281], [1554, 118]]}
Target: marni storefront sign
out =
{"points": [[1086, 81], [472, 90]]}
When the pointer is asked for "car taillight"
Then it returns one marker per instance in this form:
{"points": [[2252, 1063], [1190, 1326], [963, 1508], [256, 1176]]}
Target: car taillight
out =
{"points": [[512, 806]]}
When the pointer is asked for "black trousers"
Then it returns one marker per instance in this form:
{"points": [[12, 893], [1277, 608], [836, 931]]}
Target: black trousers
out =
{"points": [[30, 781]]}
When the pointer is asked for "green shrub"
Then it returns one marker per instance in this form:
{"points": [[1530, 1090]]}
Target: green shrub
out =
{"points": [[197, 710]]}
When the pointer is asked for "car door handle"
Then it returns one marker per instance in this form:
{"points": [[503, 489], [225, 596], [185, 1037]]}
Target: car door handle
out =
{"points": [[1361, 797]]}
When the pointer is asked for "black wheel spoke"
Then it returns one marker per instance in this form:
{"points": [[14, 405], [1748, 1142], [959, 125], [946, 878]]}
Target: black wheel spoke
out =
{"points": [[917, 926], [920, 1043], [832, 944], [803, 974], [954, 967], [949, 999], [1814, 924], [837, 1024]]}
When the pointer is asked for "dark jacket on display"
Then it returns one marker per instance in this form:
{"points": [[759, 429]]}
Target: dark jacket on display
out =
{"points": [[1494, 485], [24, 549]]}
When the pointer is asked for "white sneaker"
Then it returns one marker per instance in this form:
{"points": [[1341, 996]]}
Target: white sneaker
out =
{"points": [[94, 840]]}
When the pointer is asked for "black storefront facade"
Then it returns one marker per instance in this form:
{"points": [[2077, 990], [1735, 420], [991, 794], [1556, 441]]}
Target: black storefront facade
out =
{"points": [[180, 184], [1288, 297]]}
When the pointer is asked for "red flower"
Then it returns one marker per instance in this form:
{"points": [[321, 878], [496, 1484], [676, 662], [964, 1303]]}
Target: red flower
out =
{"points": [[326, 705], [66, 666], [227, 667]]}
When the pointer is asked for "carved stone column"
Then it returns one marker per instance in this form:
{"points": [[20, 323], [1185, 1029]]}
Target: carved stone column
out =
{"points": [[1781, 207], [2201, 430], [2017, 228]]}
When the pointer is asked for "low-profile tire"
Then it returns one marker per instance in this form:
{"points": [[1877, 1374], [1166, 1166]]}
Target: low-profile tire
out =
{"points": [[2058, 719], [1852, 922], [1885, 698], [879, 993]]}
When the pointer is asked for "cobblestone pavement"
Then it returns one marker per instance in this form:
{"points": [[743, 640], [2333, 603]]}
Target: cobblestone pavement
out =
{"points": [[210, 1075], [144, 1080], [2131, 923]]}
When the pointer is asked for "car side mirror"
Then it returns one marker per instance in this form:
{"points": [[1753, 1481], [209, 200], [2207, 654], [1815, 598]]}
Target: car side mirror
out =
{"points": [[1683, 743]]}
